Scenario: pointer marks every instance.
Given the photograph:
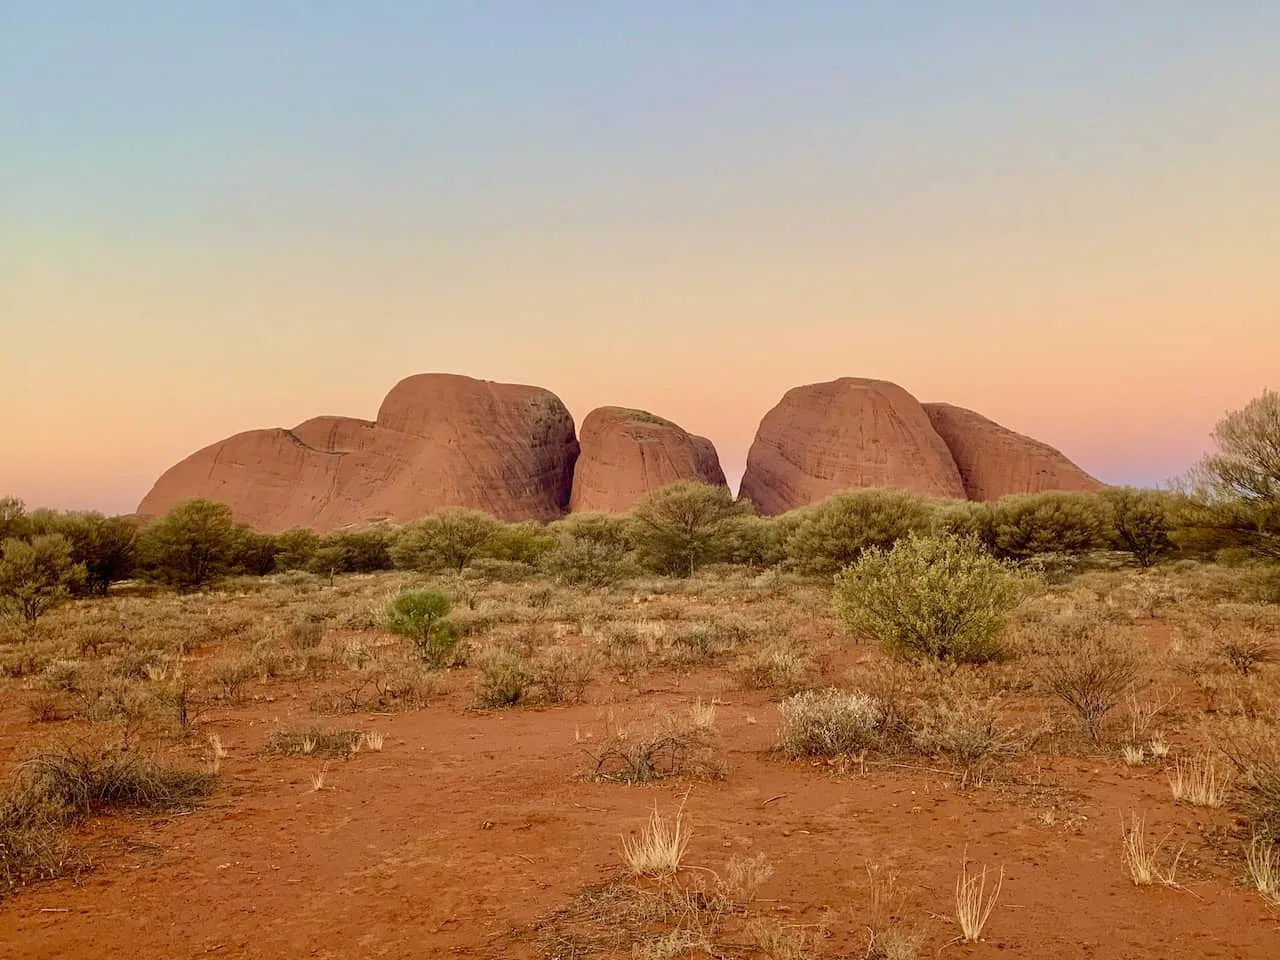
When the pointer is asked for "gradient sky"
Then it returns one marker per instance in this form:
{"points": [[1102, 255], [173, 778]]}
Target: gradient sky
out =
{"points": [[224, 214]]}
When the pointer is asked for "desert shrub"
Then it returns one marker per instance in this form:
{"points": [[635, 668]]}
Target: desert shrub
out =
{"points": [[422, 616], [626, 650], [684, 526], [752, 541], [772, 668], [590, 548], [252, 553], [698, 643], [1052, 522], [295, 548], [561, 674], [375, 689], [965, 731], [333, 744], [503, 680], [232, 675], [676, 747], [829, 723], [1253, 748], [1140, 522], [189, 547], [939, 597], [834, 533], [352, 551], [37, 575], [1091, 671], [305, 633], [448, 540], [523, 543]]}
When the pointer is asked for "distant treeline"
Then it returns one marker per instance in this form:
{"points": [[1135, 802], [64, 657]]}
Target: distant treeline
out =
{"points": [[1231, 508]]}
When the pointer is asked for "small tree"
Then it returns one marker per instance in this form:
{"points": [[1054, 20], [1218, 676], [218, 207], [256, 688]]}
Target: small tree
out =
{"points": [[13, 519], [1139, 522], [1239, 485], [37, 575], [940, 597], [107, 546], [190, 546], [448, 540], [252, 553], [683, 526], [295, 548], [832, 534], [421, 615]]}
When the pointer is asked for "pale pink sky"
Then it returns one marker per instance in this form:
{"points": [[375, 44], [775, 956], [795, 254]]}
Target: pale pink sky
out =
{"points": [[1067, 220]]}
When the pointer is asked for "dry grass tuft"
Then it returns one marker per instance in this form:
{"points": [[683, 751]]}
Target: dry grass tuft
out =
{"points": [[1143, 861], [973, 904], [660, 847], [333, 744], [1263, 862], [1199, 782]]}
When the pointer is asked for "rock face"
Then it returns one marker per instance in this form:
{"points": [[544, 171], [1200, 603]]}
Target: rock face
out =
{"points": [[827, 437], [626, 454], [994, 461], [439, 440]]}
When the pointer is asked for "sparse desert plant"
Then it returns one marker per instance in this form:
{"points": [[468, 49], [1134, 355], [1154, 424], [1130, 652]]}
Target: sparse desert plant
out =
{"points": [[703, 715], [829, 723], [780, 941], [422, 616], [772, 668], [314, 742], [674, 748], [561, 674], [659, 848], [1142, 860], [1158, 746], [318, 779], [374, 740], [1244, 647], [232, 675], [305, 633], [1254, 750], [1133, 754], [965, 731], [1199, 782], [503, 681], [973, 903], [939, 597], [1263, 863], [888, 938], [1092, 677]]}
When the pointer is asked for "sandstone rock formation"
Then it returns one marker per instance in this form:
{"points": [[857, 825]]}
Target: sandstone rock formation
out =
{"points": [[995, 461], [827, 437], [626, 454], [439, 440]]}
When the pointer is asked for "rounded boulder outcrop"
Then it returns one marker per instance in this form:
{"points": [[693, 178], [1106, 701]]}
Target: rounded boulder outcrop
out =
{"points": [[440, 440], [827, 437], [627, 454], [994, 461]]}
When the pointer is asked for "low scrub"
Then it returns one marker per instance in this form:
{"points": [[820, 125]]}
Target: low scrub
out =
{"points": [[938, 597], [829, 723], [332, 744], [676, 748], [422, 616]]}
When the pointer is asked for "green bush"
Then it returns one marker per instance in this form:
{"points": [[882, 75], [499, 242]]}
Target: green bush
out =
{"points": [[939, 597], [684, 526], [107, 546], [448, 540], [1140, 522], [352, 551], [830, 535], [1047, 523], [421, 615], [189, 547], [37, 575], [590, 548], [295, 548], [503, 679]]}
